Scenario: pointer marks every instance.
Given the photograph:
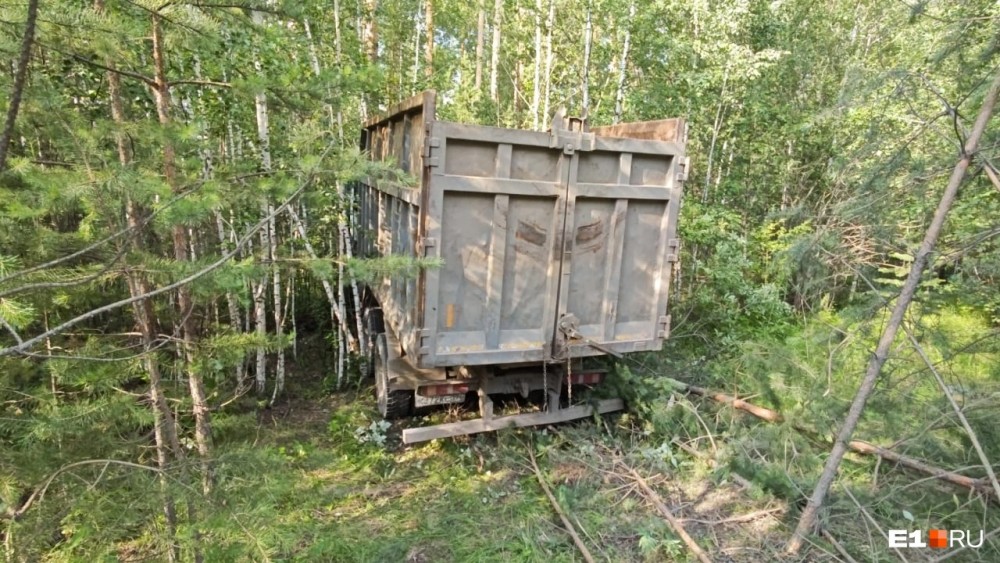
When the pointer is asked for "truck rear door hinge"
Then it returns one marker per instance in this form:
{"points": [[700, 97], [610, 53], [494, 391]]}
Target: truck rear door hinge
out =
{"points": [[683, 164], [426, 244], [664, 324], [672, 246]]}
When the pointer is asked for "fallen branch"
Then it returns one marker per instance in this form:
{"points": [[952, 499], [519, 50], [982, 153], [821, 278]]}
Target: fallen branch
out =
{"points": [[15, 513], [562, 514], [749, 517], [836, 544], [978, 485], [987, 465], [857, 446], [675, 524], [737, 403], [736, 477]]}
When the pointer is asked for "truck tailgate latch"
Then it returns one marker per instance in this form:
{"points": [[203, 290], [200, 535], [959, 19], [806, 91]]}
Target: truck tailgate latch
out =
{"points": [[569, 325]]}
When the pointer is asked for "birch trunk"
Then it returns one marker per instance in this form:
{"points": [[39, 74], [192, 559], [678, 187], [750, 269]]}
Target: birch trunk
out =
{"points": [[259, 285], [429, 31], [480, 36], [301, 228], [715, 134], [314, 64], [337, 49], [588, 30], [623, 69], [495, 56], [341, 312], [235, 318], [369, 33], [268, 241], [881, 353], [549, 21], [279, 320], [536, 92]]}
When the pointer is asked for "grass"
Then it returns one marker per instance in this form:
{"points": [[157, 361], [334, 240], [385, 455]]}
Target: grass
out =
{"points": [[303, 487], [311, 479]]}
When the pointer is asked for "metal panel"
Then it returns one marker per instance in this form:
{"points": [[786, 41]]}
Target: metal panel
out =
{"points": [[496, 208], [530, 227], [387, 216]]}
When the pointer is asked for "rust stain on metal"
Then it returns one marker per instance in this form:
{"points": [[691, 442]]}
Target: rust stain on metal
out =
{"points": [[587, 233], [449, 315], [531, 233]]}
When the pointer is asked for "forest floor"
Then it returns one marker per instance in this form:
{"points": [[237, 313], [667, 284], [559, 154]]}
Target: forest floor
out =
{"points": [[313, 469]]}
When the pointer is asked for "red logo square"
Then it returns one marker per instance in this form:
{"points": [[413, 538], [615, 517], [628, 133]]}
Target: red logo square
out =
{"points": [[938, 539]]}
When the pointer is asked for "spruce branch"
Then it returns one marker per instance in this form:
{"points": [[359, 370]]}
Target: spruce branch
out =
{"points": [[102, 242], [247, 236], [173, 83], [51, 285]]}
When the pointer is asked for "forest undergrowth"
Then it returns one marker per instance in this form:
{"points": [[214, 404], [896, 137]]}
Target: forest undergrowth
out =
{"points": [[320, 477]]}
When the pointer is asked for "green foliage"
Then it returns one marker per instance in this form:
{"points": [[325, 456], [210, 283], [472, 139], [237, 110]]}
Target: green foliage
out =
{"points": [[820, 138]]}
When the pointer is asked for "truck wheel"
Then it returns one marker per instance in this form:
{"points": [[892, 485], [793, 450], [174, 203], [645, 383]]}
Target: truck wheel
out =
{"points": [[391, 404], [374, 325]]}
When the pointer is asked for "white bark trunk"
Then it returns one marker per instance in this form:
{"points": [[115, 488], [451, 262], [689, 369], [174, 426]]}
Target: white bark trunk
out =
{"points": [[429, 31], [260, 286], [536, 86], [335, 317], [495, 57], [715, 134], [480, 40], [623, 69], [279, 321], [549, 21], [587, 35], [341, 310]]}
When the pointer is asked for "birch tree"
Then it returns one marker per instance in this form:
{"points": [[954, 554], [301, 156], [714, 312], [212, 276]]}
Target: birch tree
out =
{"points": [[480, 39], [495, 53], [623, 66], [588, 29], [536, 86], [429, 41]]}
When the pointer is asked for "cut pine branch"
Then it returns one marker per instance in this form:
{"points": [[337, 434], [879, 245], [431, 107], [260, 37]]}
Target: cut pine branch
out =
{"points": [[982, 486], [559, 510], [878, 359], [654, 498]]}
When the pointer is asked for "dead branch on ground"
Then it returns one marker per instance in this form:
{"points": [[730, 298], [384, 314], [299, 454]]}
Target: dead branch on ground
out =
{"points": [[678, 528], [559, 510]]}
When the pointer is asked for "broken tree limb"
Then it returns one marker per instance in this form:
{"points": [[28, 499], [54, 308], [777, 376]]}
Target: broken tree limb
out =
{"points": [[675, 524], [840, 548], [738, 519], [559, 510], [978, 485], [981, 486], [885, 342], [987, 465], [735, 402]]}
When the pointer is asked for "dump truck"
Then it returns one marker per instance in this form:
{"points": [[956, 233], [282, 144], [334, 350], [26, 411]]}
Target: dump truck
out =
{"points": [[550, 247]]}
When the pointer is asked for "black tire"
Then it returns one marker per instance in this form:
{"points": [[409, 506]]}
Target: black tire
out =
{"points": [[374, 325], [391, 404]]}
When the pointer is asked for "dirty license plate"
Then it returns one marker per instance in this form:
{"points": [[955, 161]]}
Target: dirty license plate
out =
{"points": [[421, 401]]}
